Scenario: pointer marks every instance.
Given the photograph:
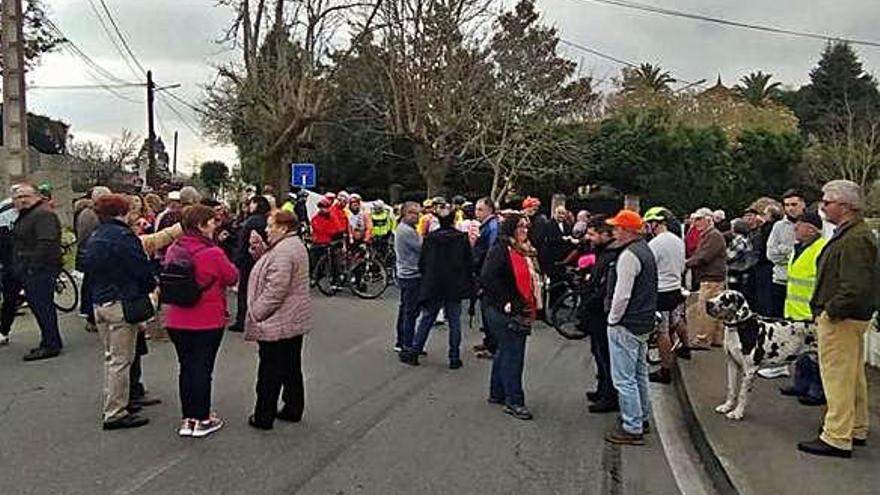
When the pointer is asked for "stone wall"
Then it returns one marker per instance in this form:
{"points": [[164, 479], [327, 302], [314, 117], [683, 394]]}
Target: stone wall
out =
{"points": [[56, 170]]}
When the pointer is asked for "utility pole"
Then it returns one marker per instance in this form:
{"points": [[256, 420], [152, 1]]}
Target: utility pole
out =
{"points": [[149, 175], [15, 132], [174, 166]]}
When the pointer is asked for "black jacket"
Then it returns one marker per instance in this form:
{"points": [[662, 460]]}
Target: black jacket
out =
{"points": [[256, 222], [446, 264], [36, 239], [117, 263], [556, 248], [498, 282], [596, 288]]}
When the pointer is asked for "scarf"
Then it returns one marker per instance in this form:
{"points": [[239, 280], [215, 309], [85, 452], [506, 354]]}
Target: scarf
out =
{"points": [[523, 261]]}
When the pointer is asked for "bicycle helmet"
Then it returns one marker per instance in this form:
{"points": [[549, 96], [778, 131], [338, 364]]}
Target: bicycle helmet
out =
{"points": [[45, 188], [657, 214]]}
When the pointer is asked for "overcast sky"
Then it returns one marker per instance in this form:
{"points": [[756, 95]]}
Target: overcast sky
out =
{"points": [[177, 40]]}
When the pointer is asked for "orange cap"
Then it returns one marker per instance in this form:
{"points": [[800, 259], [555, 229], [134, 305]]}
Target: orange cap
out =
{"points": [[626, 219], [530, 202]]}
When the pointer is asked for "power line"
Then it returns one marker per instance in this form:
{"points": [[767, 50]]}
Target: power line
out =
{"points": [[179, 115], [121, 37], [88, 86], [112, 39], [744, 25], [185, 103]]}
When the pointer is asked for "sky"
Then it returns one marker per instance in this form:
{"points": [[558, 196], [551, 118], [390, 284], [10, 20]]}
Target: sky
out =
{"points": [[177, 39]]}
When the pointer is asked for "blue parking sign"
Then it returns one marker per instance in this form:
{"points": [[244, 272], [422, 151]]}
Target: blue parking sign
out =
{"points": [[303, 175]]}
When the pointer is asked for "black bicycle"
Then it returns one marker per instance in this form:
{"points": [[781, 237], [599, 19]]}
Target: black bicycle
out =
{"points": [[66, 298], [355, 267], [563, 313]]}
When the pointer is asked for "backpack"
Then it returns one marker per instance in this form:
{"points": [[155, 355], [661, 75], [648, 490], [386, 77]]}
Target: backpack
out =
{"points": [[177, 280]]}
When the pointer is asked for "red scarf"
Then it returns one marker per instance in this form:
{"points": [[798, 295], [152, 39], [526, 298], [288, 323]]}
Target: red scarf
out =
{"points": [[523, 278]]}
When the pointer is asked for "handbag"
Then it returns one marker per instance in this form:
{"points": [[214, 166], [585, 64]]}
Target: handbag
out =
{"points": [[138, 310]]}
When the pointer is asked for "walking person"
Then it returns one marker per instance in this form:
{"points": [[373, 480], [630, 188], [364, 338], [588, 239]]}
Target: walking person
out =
{"points": [[279, 316], [511, 281], [258, 209], [36, 261], [122, 276], [446, 265], [844, 300], [197, 329], [407, 251], [632, 304], [709, 265]]}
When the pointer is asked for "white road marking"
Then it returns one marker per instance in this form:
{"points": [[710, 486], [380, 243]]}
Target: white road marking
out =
{"points": [[150, 474], [363, 345]]}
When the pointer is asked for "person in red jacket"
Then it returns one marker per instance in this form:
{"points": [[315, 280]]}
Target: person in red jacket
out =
{"points": [[197, 331], [325, 226]]}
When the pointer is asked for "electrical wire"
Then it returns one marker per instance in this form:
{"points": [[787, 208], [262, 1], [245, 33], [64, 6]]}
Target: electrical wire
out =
{"points": [[112, 39], [179, 115], [121, 37], [726, 22]]}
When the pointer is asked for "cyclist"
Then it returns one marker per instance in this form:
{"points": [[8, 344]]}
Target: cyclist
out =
{"points": [[668, 250], [428, 221], [325, 230], [360, 224], [383, 226]]}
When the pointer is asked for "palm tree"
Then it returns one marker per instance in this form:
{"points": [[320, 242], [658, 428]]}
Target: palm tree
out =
{"points": [[647, 76], [756, 88]]}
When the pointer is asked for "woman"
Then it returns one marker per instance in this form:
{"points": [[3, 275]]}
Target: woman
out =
{"points": [[137, 215], [279, 315], [258, 209], [120, 274], [197, 331], [446, 265], [511, 285]]}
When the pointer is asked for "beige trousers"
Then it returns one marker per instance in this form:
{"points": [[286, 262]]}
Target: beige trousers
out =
{"points": [[706, 330], [119, 339]]}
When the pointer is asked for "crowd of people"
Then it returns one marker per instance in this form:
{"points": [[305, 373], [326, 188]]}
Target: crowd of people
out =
{"points": [[167, 263]]}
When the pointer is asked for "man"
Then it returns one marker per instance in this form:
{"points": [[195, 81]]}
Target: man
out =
{"points": [[801, 285], [172, 211], [844, 300], [36, 260], [558, 245], [11, 290], [86, 223], [485, 213], [709, 265], [360, 225], [780, 244], [537, 228], [594, 316], [631, 307], [383, 225], [339, 208], [428, 222], [668, 250], [407, 249]]}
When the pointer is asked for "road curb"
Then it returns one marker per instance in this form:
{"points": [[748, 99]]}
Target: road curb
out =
{"points": [[721, 479]]}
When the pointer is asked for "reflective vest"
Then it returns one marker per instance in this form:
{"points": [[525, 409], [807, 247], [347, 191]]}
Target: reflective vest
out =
{"points": [[802, 281], [382, 222]]}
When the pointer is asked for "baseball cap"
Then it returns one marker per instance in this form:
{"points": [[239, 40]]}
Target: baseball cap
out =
{"points": [[531, 202], [811, 218], [626, 219]]}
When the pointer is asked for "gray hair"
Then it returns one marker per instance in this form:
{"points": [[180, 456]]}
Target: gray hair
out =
{"points": [[409, 205], [189, 195], [99, 191], [844, 192]]}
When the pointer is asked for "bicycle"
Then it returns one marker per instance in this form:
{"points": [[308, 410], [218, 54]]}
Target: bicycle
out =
{"points": [[66, 297], [384, 250], [563, 314], [360, 271]]}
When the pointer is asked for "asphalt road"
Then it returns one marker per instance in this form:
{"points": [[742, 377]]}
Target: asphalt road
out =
{"points": [[372, 425]]}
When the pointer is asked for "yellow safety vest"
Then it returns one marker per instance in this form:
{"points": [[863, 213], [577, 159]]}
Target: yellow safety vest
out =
{"points": [[802, 282], [383, 222]]}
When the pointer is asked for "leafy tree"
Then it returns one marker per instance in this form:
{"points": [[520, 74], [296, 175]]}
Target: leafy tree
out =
{"points": [[769, 162], [647, 77], [757, 89], [214, 175]]}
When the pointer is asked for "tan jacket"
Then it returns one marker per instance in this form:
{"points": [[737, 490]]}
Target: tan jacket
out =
{"points": [[279, 303], [709, 262], [161, 239]]}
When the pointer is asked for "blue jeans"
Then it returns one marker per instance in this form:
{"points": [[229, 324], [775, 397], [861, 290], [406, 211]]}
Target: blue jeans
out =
{"points": [[426, 322], [39, 290], [86, 306], [507, 365], [408, 311], [629, 371]]}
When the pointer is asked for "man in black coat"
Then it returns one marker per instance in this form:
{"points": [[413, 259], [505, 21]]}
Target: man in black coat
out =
{"points": [[258, 208], [558, 245], [446, 265], [594, 317]]}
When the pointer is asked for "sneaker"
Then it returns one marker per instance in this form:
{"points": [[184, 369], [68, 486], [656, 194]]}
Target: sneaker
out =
{"points": [[206, 427], [186, 427], [519, 412], [397, 348], [771, 373], [127, 421], [4, 339]]}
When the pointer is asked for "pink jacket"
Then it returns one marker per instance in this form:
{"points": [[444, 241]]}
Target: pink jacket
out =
{"points": [[212, 270], [279, 302]]}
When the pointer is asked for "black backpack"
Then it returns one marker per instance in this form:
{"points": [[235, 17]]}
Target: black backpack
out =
{"points": [[177, 280]]}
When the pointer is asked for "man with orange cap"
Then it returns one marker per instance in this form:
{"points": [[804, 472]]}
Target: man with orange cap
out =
{"points": [[632, 304], [538, 225]]}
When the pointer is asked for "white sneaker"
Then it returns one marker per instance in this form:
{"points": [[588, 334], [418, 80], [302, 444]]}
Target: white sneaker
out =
{"points": [[4, 339], [186, 427], [206, 427], [771, 373]]}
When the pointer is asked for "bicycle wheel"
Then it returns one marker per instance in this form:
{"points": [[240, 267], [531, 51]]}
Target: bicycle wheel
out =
{"points": [[323, 277], [563, 316], [66, 292], [390, 262], [368, 279]]}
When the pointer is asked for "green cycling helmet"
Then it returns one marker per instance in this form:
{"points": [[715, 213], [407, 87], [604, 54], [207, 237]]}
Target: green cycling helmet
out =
{"points": [[657, 214]]}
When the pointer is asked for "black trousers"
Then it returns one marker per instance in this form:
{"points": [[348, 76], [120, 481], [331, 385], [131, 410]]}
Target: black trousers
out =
{"points": [[196, 353], [598, 326], [135, 372], [777, 300], [11, 299], [280, 368], [241, 302]]}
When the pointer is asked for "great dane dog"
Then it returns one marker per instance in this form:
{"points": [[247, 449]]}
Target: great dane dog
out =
{"points": [[752, 342]]}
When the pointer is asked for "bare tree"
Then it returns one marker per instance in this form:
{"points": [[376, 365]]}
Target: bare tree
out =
{"points": [[850, 151]]}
